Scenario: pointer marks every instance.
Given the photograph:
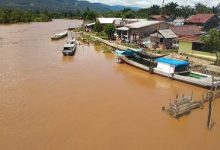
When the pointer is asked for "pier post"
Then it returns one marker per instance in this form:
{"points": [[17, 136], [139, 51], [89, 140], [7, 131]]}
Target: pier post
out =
{"points": [[210, 111]]}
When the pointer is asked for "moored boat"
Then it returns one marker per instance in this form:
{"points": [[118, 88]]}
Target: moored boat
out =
{"points": [[69, 48], [59, 35], [180, 70]]}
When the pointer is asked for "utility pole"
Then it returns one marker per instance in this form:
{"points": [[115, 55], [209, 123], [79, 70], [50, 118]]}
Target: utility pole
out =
{"points": [[211, 100], [158, 26]]}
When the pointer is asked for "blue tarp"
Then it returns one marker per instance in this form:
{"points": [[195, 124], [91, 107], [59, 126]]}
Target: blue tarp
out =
{"points": [[173, 62]]}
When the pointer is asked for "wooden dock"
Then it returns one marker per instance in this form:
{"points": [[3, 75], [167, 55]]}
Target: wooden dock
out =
{"points": [[182, 106]]}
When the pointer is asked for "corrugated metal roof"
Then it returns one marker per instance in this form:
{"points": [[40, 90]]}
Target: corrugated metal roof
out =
{"points": [[123, 28], [167, 33], [199, 18], [141, 24], [160, 17], [157, 35], [90, 24], [186, 30], [107, 20]]}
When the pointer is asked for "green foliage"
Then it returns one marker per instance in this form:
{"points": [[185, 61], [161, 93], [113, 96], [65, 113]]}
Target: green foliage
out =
{"points": [[89, 15], [170, 8], [200, 8], [185, 11], [15, 16], [98, 27], [109, 30], [212, 40], [102, 35], [154, 10]]}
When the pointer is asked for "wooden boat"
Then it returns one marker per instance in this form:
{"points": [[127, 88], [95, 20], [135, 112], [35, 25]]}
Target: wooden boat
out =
{"points": [[137, 59], [69, 48], [59, 35], [168, 67], [180, 70]]}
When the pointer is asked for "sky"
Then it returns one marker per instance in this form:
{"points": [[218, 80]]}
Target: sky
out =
{"points": [[147, 3]]}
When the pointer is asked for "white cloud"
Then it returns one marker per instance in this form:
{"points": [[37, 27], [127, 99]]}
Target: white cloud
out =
{"points": [[147, 3]]}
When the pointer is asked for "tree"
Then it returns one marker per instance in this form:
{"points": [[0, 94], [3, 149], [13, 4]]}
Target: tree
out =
{"points": [[212, 41], [98, 27], [154, 10], [129, 14], [185, 11], [109, 30], [171, 9], [200, 8], [89, 15]]}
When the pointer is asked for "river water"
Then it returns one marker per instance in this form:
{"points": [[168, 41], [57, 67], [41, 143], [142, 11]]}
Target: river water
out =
{"points": [[88, 102]]}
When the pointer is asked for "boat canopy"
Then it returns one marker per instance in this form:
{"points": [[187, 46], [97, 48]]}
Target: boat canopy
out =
{"points": [[125, 53], [146, 55], [173, 62]]}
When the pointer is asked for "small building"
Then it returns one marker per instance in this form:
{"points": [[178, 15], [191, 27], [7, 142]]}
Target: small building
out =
{"points": [[160, 18], [142, 29], [204, 21], [189, 41], [164, 39], [195, 47]]}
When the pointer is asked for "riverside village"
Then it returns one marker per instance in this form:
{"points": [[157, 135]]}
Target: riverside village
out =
{"points": [[99, 75]]}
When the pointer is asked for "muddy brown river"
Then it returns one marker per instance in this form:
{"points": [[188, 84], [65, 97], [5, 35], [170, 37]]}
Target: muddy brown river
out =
{"points": [[88, 102]]}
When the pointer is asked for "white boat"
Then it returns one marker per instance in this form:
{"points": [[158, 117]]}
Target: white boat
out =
{"points": [[180, 70], [59, 35], [69, 47]]}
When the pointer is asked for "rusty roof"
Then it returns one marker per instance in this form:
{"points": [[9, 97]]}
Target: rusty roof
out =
{"points": [[190, 38], [158, 17], [199, 18], [186, 30]]}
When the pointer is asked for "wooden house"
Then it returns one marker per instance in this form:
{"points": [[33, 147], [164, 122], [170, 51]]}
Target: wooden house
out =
{"points": [[164, 39], [204, 21], [135, 32]]}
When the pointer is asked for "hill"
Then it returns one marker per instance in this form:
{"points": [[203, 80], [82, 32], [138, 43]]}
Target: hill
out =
{"points": [[58, 5]]}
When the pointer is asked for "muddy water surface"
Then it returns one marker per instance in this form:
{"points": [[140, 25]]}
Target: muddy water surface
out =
{"points": [[88, 102]]}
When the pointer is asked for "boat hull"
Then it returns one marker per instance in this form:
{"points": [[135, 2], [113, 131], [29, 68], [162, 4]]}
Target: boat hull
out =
{"points": [[59, 36], [133, 63], [206, 82], [69, 52]]}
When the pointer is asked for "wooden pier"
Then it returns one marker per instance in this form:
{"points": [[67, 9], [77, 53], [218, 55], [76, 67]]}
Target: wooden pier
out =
{"points": [[182, 106]]}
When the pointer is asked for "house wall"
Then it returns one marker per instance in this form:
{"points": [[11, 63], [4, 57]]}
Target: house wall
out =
{"points": [[146, 31], [168, 43], [185, 47]]}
